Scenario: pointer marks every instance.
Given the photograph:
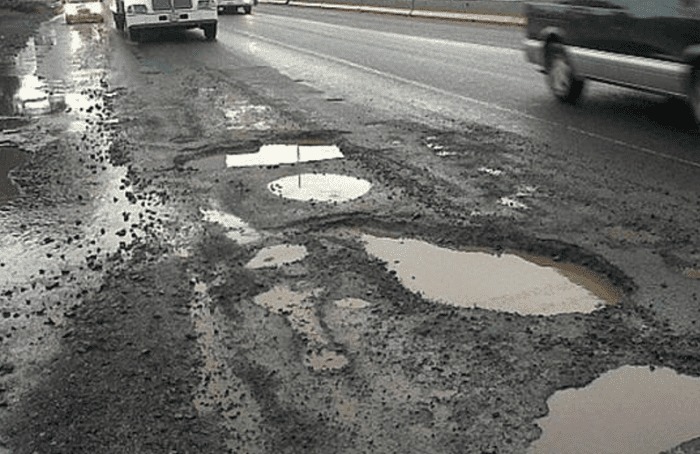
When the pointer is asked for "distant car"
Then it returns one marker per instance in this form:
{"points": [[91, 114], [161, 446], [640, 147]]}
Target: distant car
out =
{"points": [[225, 6], [81, 11], [651, 45]]}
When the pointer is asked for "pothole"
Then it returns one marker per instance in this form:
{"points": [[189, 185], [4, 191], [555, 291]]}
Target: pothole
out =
{"points": [[631, 410], [275, 256], [269, 155], [236, 229], [352, 303], [10, 157], [321, 187], [506, 282], [299, 309]]}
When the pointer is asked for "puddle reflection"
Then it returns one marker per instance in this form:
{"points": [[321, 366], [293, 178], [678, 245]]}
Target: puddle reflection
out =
{"points": [[236, 229], [631, 410], [284, 154], [320, 187], [508, 282], [352, 303]]}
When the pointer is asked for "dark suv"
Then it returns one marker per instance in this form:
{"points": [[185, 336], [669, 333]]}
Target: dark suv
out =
{"points": [[651, 45]]}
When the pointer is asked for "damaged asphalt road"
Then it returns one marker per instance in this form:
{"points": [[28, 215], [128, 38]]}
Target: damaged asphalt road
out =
{"points": [[163, 289]]}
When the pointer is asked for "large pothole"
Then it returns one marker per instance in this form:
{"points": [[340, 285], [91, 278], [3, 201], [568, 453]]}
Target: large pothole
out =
{"points": [[630, 410], [504, 282]]}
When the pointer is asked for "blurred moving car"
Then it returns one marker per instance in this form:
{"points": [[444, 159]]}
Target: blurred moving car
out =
{"points": [[81, 11], [651, 45], [226, 6]]}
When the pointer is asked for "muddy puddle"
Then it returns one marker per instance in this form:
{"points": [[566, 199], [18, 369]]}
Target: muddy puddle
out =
{"points": [[276, 256], [505, 282], [299, 309], [10, 158], [320, 187], [235, 228], [352, 303], [630, 410]]}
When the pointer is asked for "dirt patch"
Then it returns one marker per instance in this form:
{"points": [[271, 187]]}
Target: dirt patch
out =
{"points": [[126, 383]]}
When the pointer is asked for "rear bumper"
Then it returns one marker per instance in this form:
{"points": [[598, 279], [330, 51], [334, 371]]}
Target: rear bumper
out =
{"points": [[179, 19], [534, 51], [233, 6]]}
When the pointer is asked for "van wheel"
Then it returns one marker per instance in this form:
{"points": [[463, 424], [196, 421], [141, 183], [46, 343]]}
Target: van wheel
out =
{"points": [[694, 95], [247, 9], [561, 76], [210, 32], [119, 22], [135, 35]]}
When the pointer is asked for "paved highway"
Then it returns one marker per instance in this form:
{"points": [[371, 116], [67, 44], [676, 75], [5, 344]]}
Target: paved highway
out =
{"points": [[460, 71]]}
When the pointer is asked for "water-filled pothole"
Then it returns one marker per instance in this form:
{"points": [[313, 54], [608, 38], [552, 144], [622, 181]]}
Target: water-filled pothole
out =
{"points": [[10, 157], [631, 410], [275, 256], [505, 282], [320, 187], [352, 303], [269, 155], [236, 228]]}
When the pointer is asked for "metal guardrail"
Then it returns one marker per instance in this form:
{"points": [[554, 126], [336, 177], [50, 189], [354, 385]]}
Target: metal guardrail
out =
{"points": [[491, 11]]}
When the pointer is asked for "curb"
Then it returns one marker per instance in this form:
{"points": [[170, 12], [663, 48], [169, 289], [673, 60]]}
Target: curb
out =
{"points": [[469, 17]]}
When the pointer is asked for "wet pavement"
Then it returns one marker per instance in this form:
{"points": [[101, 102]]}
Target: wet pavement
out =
{"points": [[209, 270]]}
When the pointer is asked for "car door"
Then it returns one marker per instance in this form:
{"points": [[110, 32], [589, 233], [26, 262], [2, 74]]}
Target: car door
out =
{"points": [[604, 28], [662, 30]]}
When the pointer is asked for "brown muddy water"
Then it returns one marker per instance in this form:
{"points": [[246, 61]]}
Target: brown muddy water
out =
{"points": [[10, 158], [630, 410], [506, 282], [320, 187]]}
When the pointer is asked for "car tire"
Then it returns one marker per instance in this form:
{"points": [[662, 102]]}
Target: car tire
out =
{"points": [[135, 35], [209, 32], [119, 22], [694, 94], [247, 9], [561, 77]]}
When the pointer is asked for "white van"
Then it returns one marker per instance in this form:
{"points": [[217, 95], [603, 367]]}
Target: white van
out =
{"points": [[137, 16]]}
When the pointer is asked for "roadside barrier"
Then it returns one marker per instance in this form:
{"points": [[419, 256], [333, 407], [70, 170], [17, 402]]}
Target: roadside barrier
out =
{"points": [[492, 11]]}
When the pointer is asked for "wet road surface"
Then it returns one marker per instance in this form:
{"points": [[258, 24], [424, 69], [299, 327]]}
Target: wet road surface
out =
{"points": [[170, 284]]}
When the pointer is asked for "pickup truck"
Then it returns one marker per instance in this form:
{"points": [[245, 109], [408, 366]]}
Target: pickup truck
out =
{"points": [[651, 45], [139, 16]]}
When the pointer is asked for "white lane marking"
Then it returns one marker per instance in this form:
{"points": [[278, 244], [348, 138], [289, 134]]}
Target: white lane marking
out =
{"points": [[451, 94], [311, 25]]}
